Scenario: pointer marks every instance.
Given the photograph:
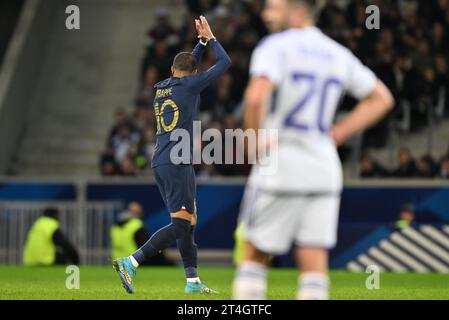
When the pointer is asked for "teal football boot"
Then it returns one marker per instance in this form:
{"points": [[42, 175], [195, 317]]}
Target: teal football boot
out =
{"points": [[198, 287], [126, 272]]}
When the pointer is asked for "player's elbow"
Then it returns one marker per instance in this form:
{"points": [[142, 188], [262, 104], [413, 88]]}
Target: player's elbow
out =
{"points": [[388, 102], [384, 97], [227, 62], [223, 64]]}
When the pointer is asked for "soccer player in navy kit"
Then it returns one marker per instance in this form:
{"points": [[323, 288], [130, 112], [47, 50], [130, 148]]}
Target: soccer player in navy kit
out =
{"points": [[176, 106]]}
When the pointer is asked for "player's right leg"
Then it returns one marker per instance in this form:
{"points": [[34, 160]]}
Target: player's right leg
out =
{"points": [[251, 279], [268, 228], [189, 254]]}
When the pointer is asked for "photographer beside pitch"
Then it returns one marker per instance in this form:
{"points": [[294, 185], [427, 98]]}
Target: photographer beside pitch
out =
{"points": [[176, 106], [299, 204]]}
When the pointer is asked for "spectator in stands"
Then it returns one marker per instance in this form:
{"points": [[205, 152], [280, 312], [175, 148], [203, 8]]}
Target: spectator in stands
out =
{"points": [[142, 119], [128, 168], [122, 141], [370, 168], [162, 30], [108, 165], [406, 216], [444, 168], [120, 119], [145, 96], [137, 156], [161, 40], [426, 167], [109, 169], [129, 233], [407, 165], [46, 244], [149, 143]]}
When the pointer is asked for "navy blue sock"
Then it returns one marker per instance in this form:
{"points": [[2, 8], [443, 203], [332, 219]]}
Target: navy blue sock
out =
{"points": [[189, 252], [191, 271], [161, 240]]}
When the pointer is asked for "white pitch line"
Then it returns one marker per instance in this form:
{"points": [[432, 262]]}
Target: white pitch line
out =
{"points": [[429, 245], [410, 247], [403, 257]]}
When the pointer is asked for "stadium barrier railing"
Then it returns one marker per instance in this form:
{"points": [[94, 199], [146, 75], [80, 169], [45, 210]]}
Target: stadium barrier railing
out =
{"points": [[87, 227]]}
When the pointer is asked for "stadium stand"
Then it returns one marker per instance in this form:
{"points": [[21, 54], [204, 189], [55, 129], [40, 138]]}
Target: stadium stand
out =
{"points": [[403, 47], [94, 73]]}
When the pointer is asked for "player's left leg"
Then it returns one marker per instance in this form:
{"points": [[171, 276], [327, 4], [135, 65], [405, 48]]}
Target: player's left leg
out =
{"points": [[313, 281], [317, 233], [178, 230], [189, 254], [269, 228], [189, 251], [251, 279]]}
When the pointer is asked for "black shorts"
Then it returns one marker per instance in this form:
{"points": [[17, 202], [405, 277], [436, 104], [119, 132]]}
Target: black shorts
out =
{"points": [[177, 186]]}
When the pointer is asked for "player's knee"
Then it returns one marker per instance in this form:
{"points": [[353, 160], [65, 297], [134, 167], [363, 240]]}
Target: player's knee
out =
{"points": [[181, 228]]}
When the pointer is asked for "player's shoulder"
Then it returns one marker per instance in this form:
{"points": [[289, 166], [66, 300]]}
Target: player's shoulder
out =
{"points": [[336, 46], [273, 40], [312, 35], [167, 83], [162, 84]]}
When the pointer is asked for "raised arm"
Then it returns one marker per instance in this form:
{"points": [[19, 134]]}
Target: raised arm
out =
{"points": [[198, 52], [200, 48], [199, 82]]}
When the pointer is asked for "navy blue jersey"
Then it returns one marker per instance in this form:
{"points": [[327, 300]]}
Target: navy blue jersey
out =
{"points": [[177, 101]]}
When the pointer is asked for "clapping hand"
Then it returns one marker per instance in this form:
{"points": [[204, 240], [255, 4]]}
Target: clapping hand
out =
{"points": [[203, 29]]}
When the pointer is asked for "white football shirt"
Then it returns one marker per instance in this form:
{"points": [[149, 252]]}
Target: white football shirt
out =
{"points": [[312, 73]]}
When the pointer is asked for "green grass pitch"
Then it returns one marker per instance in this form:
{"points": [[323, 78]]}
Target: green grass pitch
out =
{"points": [[168, 283]]}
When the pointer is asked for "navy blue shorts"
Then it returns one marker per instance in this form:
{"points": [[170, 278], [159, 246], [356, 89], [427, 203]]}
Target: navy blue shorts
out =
{"points": [[177, 186]]}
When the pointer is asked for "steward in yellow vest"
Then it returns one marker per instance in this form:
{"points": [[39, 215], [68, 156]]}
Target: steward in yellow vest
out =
{"points": [[46, 244], [123, 236], [128, 234]]}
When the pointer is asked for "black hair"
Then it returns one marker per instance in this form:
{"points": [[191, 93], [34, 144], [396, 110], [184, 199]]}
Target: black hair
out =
{"points": [[185, 61]]}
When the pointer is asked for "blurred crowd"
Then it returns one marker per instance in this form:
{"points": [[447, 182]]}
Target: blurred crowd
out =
{"points": [[409, 53], [425, 167]]}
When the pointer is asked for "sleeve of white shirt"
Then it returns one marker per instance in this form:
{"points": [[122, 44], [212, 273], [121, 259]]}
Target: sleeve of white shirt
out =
{"points": [[362, 80], [266, 61]]}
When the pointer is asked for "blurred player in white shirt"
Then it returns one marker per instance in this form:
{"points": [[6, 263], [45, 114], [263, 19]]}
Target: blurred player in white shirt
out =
{"points": [[305, 74]]}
